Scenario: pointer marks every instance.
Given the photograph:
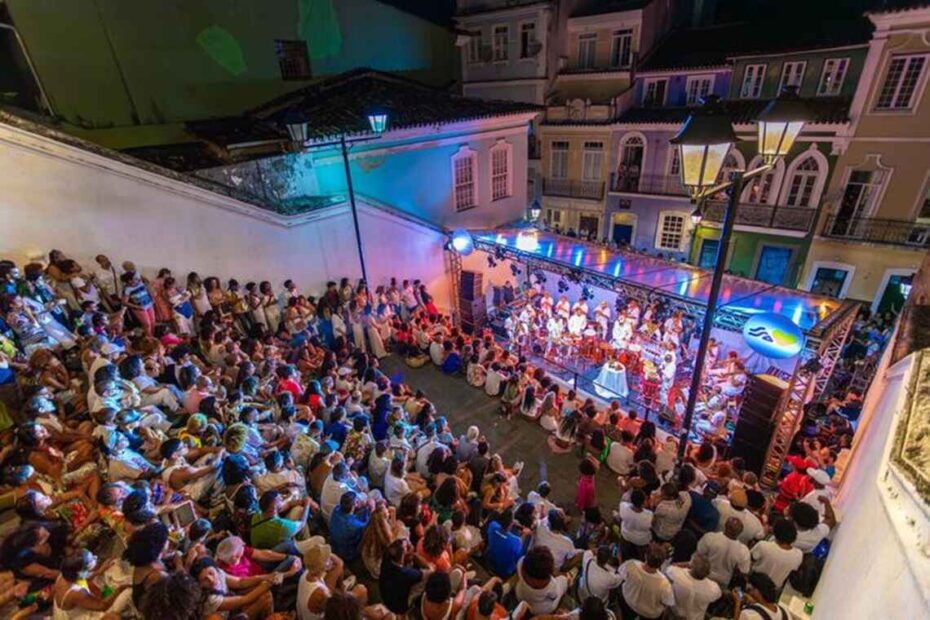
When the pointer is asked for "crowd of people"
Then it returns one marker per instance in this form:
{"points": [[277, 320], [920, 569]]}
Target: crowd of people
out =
{"points": [[178, 449]]}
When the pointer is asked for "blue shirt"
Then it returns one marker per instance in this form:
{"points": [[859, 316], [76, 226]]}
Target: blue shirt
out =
{"points": [[704, 514], [504, 550], [337, 431], [345, 532]]}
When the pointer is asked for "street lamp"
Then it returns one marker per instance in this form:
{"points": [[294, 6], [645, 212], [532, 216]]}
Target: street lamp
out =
{"points": [[297, 124], [535, 211], [704, 141]]}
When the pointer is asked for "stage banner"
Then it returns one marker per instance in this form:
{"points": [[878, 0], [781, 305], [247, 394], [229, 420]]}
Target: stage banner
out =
{"points": [[773, 335]]}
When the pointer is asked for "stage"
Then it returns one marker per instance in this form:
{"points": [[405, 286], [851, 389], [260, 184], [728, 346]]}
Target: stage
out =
{"points": [[803, 333]]}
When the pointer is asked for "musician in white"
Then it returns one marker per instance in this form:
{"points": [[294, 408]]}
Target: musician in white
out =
{"points": [[674, 326], [555, 327], [633, 311], [582, 304], [602, 318], [546, 303], [622, 333], [578, 323], [527, 314], [563, 308]]}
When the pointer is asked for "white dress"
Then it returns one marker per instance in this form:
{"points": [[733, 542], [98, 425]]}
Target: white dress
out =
{"points": [[257, 314], [272, 312], [374, 337], [358, 331]]}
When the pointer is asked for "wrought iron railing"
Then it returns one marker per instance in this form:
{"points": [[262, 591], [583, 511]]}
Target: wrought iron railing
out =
{"points": [[591, 190], [664, 184], [578, 66], [877, 230], [765, 216]]}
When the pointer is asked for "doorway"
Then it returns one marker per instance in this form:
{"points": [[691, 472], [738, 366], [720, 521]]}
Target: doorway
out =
{"points": [[623, 234], [774, 264], [829, 281], [895, 293], [707, 258], [588, 224]]}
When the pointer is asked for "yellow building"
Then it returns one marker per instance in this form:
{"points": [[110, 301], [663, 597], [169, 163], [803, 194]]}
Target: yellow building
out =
{"points": [[875, 228]]}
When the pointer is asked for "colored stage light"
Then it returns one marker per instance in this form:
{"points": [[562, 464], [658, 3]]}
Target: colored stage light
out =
{"points": [[462, 242]]}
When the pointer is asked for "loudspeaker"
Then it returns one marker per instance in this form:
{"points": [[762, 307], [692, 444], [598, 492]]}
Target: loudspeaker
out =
{"points": [[755, 424], [470, 285]]}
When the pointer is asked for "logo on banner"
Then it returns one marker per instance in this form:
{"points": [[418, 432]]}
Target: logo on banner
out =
{"points": [[773, 335]]}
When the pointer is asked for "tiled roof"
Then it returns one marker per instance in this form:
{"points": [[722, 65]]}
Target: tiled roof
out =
{"points": [[711, 46], [897, 6], [182, 157], [602, 7], [340, 104], [824, 110]]}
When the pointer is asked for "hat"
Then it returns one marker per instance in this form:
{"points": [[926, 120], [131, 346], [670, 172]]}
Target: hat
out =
{"points": [[738, 498], [344, 372], [317, 557], [818, 475]]}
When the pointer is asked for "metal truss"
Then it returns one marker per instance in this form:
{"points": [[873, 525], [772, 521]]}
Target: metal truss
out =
{"points": [[454, 268], [725, 318], [809, 380]]}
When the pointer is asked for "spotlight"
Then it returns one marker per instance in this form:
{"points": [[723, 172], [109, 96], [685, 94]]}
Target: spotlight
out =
{"points": [[563, 285], [462, 242], [491, 262], [586, 293], [540, 276], [515, 270], [619, 304], [499, 253]]}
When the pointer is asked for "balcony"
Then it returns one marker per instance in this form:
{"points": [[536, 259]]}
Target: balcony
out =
{"points": [[574, 66], [877, 230], [470, 7], [567, 188], [797, 219], [660, 184]]}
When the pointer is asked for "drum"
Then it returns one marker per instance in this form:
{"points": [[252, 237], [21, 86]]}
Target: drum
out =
{"points": [[605, 351], [588, 349]]}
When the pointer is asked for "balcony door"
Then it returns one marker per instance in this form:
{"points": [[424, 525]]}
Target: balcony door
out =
{"points": [[859, 197], [774, 264], [632, 151], [588, 224]]}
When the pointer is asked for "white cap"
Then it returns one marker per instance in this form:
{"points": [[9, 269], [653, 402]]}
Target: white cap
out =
{"points": [[819, 476]]}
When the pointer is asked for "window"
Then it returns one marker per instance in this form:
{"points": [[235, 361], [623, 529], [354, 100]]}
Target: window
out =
{"points": [[621, 48], [558, 166], [528, 47], [671, 232], [904, 74], [760, 190], [792, 74], [752, 82], [464, 171], [499, 41], [698, 87], [592, 159], [923, 209], [654, 96], [674, 164], [553, 216], [474, 48], [500, 171], [293, 60], [859, 197], [803, 182], [587, 50], [831, 79]]}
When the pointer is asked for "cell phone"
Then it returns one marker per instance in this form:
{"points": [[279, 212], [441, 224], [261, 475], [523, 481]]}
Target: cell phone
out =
{"points": [[184, 514]]}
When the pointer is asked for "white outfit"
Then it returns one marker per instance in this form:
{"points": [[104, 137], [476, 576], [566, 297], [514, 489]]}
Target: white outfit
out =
{"points": [[774, 561], [669, 516], [541, 600], [305, 589], [648, 594], [596, 580], [692, 596], [358, 331], [577, 324], [561, 546], [635, 527], [724, 555], [752, 527]]}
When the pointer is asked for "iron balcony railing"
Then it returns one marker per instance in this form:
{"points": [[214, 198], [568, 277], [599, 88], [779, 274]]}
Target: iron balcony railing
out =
{"points": [[576, 66], [591, 190], [764, 216], [664, 184], [877, 230]]}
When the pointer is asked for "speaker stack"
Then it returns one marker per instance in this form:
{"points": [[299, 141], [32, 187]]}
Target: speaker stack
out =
{"points": [[755, 425], [472, 304]]}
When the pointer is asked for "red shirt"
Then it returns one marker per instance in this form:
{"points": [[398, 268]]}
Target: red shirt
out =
{"points": [[245, 567], [290, 385]]}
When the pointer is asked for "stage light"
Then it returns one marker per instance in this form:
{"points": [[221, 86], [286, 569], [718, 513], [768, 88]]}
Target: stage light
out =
{"points": [[462, 242], [515, 270]]}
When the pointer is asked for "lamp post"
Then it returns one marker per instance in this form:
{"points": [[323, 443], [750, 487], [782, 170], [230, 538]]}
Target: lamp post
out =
{"points": [[298, 124], [703, 142], [535, 211]]}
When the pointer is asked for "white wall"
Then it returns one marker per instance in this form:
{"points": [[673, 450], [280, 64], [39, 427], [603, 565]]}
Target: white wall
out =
{"points": [[868, 573], [57, 196]]}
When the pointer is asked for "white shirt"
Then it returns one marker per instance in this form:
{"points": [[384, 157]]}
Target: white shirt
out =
{"points": [[560, 545], [635, 527], [541, 600], [330, 495], [724, 555], [774, 561], [436, 352], [670, 515], [620, 458], [811, 499], [492, 383], [752, 527], [808, 539], [692, 596], [576, 324], [596, 580], [423, 453], [648, 594], [395, 489], [752, 614]]}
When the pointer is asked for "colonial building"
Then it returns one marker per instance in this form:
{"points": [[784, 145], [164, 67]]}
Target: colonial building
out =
{"points": [[602, 44], [871, 237], [446, 159]]}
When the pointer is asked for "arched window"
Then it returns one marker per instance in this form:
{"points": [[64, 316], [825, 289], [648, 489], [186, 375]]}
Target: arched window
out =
{"points": [[762, 189], [803, 181], [630, 167]]}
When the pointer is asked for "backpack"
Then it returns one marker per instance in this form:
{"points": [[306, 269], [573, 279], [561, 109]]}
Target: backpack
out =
{"points": [[804, 579]]}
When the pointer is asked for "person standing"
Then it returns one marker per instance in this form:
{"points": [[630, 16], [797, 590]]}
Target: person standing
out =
{"points": [[693, 588], [646, 591], [778, 558], [725, 553]]}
